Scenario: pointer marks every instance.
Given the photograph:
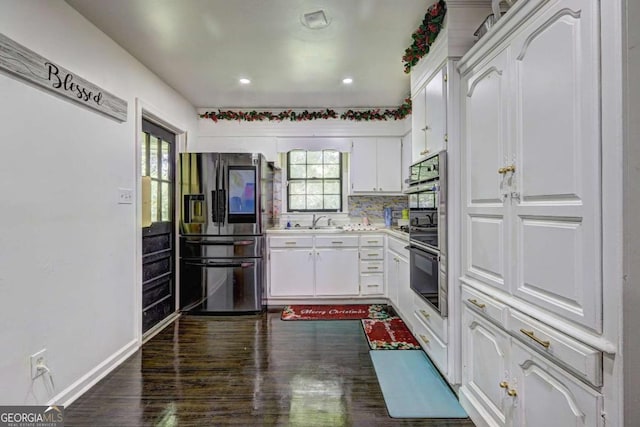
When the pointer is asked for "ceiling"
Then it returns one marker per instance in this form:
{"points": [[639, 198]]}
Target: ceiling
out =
{"points": [[203, 47]]}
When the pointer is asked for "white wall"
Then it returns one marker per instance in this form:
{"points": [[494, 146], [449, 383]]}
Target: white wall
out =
{"points": [[68, 267], [632, 223]]}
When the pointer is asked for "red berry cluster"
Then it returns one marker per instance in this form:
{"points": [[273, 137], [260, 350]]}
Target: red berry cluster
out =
{"points": [[425, 35]]}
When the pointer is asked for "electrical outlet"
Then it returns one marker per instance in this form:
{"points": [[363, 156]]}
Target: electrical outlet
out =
{"points": [[125, 196], [38, 359]]}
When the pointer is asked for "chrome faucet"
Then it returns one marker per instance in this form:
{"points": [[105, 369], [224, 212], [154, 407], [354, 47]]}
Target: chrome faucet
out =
{"points": [[315, 220]]}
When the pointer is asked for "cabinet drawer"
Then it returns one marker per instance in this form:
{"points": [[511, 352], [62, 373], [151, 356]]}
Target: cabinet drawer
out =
{"points": [[371, 266], [335, 241], [398, 247], [291, 242], [371, 240], [372, 284], [484, 304], [431, 344], [371, 254], [584, 361], [430, 317]]}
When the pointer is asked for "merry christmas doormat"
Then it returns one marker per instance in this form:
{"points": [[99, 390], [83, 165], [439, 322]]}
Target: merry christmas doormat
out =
{"points": [[334, 312], [389, 334]]}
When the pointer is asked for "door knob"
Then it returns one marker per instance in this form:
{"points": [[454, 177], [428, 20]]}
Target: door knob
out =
{"points": [[504, 384], [512, 393]]}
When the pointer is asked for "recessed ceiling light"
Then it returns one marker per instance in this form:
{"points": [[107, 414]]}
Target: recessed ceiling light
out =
{"points": [[244, 81], [347, 81], [315, 20]]}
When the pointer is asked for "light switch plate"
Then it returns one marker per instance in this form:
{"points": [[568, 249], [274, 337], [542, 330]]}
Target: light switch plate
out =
{"points": [[125, 196]]}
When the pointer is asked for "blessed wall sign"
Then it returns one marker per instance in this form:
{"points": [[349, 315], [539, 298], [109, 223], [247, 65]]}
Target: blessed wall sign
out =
{"points": [[28, 65]]}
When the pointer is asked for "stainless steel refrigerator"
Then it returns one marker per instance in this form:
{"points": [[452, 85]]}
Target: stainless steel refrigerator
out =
{"points": [[226, 203]]}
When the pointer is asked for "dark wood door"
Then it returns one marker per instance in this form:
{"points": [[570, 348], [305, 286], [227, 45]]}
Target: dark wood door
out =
{"points": [[158, 251]]}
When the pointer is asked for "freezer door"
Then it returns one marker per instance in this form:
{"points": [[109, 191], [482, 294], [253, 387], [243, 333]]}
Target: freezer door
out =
{"points": [[218, 286]]}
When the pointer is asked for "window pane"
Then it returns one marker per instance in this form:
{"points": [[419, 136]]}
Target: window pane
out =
{"points": [[297, 187], [314, 171], [154, 201], [143, 157], [297, 202], [298, 157], [296, 171], [153, 157], [314, 157], [165, 160], [165, 201], [331, 171], [314, 202], [331, 156], [314, 187], [331, 187], [332, 202]]}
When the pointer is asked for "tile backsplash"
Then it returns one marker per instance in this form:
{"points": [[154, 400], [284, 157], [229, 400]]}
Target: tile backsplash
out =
{"points": [[372, 206]]}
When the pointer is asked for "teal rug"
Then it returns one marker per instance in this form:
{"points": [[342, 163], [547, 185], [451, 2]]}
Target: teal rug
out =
{"points": [[412, 387]]}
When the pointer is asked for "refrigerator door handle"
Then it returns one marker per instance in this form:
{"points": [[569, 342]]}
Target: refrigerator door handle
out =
{"points": [[216, 243], [220, 264]]}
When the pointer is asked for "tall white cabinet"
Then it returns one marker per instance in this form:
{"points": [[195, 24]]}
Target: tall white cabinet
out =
{"points": [[531, 238]]}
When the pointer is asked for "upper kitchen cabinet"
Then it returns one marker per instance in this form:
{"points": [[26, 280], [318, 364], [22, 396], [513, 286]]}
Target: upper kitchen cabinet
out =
{"points": [[531, 160], [435, 80], [376, 166]]}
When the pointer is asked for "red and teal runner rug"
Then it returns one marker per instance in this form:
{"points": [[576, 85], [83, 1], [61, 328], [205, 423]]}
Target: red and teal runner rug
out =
{"points": [[389, 334], [334, 312]]}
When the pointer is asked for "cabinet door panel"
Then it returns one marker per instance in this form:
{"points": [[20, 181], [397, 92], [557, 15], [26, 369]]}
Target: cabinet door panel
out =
{"points": [[418, 123], [546, 396], [388, 165], [556, 216], [291, 272], [337, 271], [485, 353], [363, 165], [436, 110]]}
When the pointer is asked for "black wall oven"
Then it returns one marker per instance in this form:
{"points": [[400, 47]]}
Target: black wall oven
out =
{"points": [[428, 231]]}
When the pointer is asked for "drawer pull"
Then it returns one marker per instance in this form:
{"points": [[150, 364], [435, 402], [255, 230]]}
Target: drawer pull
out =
{"points": [[372, 268], [476, 303], [504, 384], [337, 241], [425, 339], [512, 393], [372, 255], [290, 243], [372, 241], [372, 286], [531, 335], [425, 314]]}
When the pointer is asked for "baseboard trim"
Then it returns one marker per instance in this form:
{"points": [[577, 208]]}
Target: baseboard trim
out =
{"points": [[160, 326], [477, 414], [78, 388]]}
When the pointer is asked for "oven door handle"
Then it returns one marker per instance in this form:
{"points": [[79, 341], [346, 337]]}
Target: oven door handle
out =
{"points": [[423, 252], [220, 264]]}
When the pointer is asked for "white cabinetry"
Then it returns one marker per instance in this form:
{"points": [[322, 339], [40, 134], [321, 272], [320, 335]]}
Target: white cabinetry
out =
{"points": [[376, 165], [308, 266], [372, 265], [429, 117], [510, 382], [291, 266], [531, 181], [397, 274]]}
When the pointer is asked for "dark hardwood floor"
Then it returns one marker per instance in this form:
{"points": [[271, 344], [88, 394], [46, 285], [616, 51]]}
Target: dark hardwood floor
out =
{"points": [[244, 371]]}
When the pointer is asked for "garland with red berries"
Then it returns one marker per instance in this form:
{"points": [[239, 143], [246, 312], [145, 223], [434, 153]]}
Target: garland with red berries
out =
{"points": [[298, 116], [425, 35]]}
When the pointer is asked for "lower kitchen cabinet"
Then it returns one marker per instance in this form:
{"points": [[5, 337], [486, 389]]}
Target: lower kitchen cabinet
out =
{"points": [[397, 273], [291, 272], [507, 383], [337, 271]]}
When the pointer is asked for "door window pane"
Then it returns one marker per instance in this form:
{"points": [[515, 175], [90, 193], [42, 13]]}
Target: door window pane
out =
{"points": [[154, 201], [165, 160], [153, 157], [164, 202]]}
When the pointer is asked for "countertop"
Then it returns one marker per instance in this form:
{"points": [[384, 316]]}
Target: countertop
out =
{"points": [[338, 230]]}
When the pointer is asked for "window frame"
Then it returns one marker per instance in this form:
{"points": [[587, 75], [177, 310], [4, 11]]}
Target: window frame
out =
{"points": [[340, 178]]}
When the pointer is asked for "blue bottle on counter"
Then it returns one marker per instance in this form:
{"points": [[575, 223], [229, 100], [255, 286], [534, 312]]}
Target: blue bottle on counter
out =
{"points": [[387, 217]]}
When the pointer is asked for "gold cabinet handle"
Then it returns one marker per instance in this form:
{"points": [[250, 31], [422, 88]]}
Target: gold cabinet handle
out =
{"points": [[504, 384], [425, 339], [372, 268], [512, 393], [476, 303], [425, 314], [511, 168], [531, 335], [337, 241], [422, 153], [290, 243], [502, 171]]}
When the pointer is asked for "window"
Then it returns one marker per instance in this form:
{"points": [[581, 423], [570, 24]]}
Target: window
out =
{"points": [[314, 181], [156, 157]]}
